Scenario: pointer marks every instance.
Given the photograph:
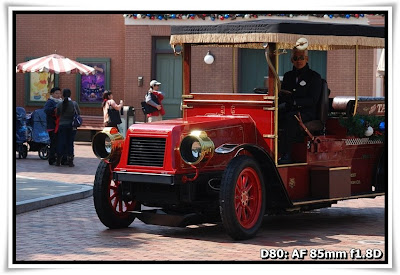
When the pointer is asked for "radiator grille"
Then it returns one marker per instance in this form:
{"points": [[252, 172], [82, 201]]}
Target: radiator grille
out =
{"points": [[146, 151]]}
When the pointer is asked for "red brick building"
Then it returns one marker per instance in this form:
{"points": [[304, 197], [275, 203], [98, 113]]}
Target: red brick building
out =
{"points": [[137, 48]]}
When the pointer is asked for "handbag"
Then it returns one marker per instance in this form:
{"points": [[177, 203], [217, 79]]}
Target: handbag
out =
{"points": [[114, 117], [77, 119]]}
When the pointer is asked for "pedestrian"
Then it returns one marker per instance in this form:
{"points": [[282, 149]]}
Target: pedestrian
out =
{"points": [[154, 98], [50, 109], [304, 86], [66, 135], [111, 110]]}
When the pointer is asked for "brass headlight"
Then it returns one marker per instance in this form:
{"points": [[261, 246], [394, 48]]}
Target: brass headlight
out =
{"points": [[196, 147], [107, 144]]}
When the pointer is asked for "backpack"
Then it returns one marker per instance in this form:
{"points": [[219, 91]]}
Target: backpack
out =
{"points": [[148, 109]]}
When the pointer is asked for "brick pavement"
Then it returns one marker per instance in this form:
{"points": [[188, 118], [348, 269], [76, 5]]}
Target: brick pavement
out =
{"points": [[72, 232], [83, 172]]}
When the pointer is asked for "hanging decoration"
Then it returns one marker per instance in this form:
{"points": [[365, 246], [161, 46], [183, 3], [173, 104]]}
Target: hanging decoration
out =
{"points": [[365, 126], [224, 16], [369, 131]]}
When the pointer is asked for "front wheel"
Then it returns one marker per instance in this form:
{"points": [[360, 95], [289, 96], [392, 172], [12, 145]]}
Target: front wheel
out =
{"points": [[242, 198], [111, 208]]}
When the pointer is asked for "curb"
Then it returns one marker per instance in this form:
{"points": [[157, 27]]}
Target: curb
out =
{"points": [[34, 204]]}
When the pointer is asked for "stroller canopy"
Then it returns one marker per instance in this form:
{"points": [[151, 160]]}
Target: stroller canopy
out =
{"points": [[21, 129], [38, 123]]}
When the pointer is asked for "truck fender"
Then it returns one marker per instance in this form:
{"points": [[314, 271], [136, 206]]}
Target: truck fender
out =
{"points": [[276, 194]]}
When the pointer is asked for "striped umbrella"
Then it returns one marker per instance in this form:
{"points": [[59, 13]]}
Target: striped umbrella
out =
{"points": [[54, 63]]}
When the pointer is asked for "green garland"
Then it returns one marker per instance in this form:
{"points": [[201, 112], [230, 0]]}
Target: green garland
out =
{"points": [[357, 125]]}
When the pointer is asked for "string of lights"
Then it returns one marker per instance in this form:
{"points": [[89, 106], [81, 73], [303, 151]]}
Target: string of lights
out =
{"points": [[214, 17]]}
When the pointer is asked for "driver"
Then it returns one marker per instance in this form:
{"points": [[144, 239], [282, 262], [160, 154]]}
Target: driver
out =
{"points": [[303, 88]]}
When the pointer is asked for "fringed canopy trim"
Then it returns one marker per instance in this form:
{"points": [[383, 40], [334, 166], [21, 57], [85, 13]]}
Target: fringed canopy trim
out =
{"points": [[283, 40]]}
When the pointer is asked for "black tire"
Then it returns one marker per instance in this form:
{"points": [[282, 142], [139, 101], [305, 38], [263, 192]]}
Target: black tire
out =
{"points": [[44, 152], [19, 150], [242, 208], [110, 208], [24, 152]]}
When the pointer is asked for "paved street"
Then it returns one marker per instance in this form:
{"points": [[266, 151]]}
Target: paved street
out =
{"points": [[72, 232], [83, 172]]}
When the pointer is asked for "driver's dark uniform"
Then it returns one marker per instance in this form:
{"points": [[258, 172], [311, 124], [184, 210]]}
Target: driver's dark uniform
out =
{"points": [[305, 85]]}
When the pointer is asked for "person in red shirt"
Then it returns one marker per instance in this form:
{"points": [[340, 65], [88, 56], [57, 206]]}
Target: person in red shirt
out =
{"points": [[154, 98]]}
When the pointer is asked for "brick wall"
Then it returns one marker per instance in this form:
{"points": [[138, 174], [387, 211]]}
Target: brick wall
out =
{"points": [[341, 72], [216, 77], [130, 50], [138, 60], [73, 36], [205, 78]]}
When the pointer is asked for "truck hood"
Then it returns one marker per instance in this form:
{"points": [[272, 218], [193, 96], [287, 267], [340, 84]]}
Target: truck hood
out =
{"points": [[235, 129], [189, 124]]}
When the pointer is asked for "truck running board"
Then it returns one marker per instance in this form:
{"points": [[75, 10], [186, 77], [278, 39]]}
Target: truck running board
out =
{"points": [[371, 195], [159, 217]]}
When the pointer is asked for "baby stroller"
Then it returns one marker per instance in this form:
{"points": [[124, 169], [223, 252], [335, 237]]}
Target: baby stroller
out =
{"points": [[34, 134], [38, 137], [21, 133]]}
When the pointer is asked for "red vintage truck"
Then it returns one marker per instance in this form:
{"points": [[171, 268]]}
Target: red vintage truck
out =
{"points": [[219, 162]]}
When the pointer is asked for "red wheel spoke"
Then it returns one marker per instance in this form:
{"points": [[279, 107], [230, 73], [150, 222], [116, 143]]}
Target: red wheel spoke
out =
{"points": [[114, 195], [252, 198], [237, 205], [249, 210], [237, 197], [114, 204], [239, 212], [237, 190], [245, 180], [244, 213], [248, 187]]}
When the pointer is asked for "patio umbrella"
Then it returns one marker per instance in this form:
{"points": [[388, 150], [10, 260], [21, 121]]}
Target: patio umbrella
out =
{"points": [[54, 63]]}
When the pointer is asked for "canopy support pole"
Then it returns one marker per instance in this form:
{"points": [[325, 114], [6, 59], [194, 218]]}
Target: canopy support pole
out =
{"points": [[233, 69], [277, 89], [187, 52], [186, 81], [274, 86]]}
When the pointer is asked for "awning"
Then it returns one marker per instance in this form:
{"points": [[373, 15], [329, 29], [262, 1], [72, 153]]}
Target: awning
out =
{"points": [[252, 34], [54, 63]]}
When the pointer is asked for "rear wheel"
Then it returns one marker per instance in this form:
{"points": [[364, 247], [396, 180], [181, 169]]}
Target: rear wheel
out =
{"points": [[242, 198], [110, 206], [44, 152]]}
